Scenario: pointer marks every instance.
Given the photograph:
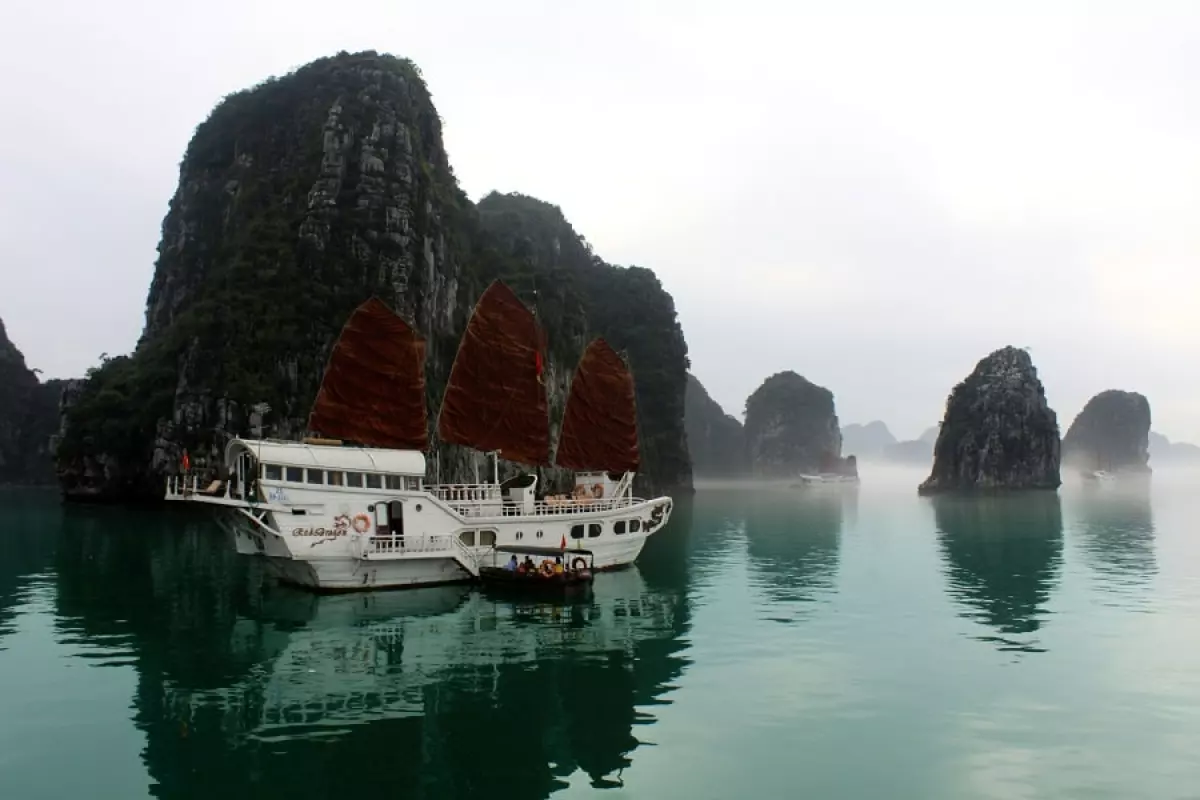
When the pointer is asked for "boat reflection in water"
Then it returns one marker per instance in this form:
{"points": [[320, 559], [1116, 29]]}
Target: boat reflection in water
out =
{"points": [[440, 687]]}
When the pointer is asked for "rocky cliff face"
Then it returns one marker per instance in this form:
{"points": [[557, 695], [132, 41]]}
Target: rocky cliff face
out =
{"points": [[998, 431], [581, 296], [716, 440], [792, 428], [1112, 432], [28, 419], [297, 200]]}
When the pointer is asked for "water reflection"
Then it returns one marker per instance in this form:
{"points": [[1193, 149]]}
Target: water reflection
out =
{"points": [[794, 539], [247, 689], [1116, 534], [1003, 555], [28, 521]]}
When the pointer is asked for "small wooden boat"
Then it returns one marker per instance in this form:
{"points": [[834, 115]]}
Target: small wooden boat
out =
{"points": [[537, 572]]}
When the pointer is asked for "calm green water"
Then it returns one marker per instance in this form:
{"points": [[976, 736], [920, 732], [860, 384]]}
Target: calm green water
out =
{"points": [[852, 643]]}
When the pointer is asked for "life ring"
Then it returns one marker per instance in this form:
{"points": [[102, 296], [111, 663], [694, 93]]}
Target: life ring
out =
{"points": [[547, 568], [578, 564], [362, 523], [597, 490]]}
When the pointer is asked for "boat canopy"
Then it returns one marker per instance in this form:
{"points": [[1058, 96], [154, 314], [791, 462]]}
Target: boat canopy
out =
{"points": [[534, 550], [352, 459]]}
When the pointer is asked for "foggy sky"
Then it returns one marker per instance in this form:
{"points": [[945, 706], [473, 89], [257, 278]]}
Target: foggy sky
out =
{"points": [[874, 201]]}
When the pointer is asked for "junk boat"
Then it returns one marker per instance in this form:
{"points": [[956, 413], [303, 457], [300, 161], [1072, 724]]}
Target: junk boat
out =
{"points": [[351, 509], [576, 570]]}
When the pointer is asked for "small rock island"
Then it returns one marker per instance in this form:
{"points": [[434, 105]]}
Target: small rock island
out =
{"points": [[998, 432], [1111, 433], [792, 429]]}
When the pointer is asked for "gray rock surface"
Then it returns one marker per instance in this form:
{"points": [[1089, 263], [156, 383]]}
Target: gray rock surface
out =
{"points": [[1111, 433], [998, 431], [792, 428]]}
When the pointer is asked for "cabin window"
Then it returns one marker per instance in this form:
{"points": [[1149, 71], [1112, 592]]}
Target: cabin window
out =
{"points": [[316, 476], [295, 474], [576, 531], [635, 525], [619, 527], [594, 530], [374, 481], [354, 479], [395, 482], [412, 484], [336, 479], [487, 538], [467, 538], [272, 472]]}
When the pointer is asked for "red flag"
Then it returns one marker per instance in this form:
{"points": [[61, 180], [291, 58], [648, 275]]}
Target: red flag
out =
{"points": [[538, 361], [563, 544], [186, 463]]}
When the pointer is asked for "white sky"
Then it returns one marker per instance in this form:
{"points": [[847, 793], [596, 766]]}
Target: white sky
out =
{"points": [[875, 201]]}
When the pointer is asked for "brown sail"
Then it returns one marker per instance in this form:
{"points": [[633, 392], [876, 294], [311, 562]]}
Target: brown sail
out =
{"points": [[373, 391], [599, 430], [494, 398]]}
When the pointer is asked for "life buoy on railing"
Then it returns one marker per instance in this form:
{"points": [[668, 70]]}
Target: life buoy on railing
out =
{"points": [[579, 564], [362, 523], [597, 490], [547, 568]]}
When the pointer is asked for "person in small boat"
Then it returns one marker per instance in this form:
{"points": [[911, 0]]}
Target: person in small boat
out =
{"points": [[529, 565], [558, 565], [511, 566]]}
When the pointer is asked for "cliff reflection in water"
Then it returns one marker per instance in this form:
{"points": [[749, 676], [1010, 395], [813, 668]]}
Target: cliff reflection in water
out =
{"points": [[794, 540], [25, 550], [1115, 527], [253, 690], [1003, 555]]}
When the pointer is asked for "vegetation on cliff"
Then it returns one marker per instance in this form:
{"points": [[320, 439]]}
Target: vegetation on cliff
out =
{"points": [[998, 432], [716, 440], [297, 200], [791, 427], [1112, 432], [580, 295], [28, 419]]}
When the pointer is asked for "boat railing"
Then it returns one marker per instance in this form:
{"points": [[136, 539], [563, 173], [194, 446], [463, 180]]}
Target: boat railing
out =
{"points": [[565, 507], [467, 492], [414, 544]]}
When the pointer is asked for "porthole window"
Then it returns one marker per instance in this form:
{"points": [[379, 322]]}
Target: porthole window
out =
{"points": [[576, 531], [619, 527], [594, 530], [635, 525]]}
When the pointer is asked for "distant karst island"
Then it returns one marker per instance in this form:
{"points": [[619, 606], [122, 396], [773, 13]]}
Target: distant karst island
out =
{"points": [[1110, 434]]}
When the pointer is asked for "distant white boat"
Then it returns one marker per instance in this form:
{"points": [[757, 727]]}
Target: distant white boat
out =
{"points": [[1099, 476], [824, 477]]}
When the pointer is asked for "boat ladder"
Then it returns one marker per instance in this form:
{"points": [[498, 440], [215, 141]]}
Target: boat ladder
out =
{"points": [[466, 557]]}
